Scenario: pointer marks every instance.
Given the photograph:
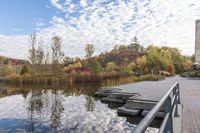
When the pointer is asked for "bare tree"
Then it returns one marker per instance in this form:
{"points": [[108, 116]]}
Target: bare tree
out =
{"points": [[46, 60], [57, 54], [40, 55], [32, 51], [89, 49]]}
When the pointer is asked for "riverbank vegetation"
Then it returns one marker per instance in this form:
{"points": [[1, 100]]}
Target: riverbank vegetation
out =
{"points": [[132, 62], [192, 74]]}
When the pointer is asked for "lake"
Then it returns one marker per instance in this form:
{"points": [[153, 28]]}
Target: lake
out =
{"points": [[65, 109]]}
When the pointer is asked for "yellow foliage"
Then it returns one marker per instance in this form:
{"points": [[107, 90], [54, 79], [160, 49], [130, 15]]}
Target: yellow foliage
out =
{"points": [[187, 65], [13, 76], [10, 70], [75, 65], [141, 61]]}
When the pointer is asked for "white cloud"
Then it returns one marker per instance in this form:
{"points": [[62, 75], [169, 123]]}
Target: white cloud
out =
{"points": [[14, 46], [105, 23], [57, 4], [83, 3], [40, 23]]}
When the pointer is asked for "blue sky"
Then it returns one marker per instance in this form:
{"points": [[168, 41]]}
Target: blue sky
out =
{"points": [[22, 16], [103, 23]]}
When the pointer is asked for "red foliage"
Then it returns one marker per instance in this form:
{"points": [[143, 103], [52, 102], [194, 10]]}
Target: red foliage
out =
{"points": [[79, 70], [171, 69]]}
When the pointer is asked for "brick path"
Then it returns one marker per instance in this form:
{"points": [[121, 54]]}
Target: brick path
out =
{"points": [[190, 98]]}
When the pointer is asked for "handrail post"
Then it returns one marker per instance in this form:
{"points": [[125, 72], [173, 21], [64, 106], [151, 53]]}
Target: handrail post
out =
{"points": [[168, 109], [177, 96], [178, 93]]}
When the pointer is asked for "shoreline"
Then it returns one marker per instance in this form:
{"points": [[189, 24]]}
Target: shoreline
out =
{"points": [[105, 80]]}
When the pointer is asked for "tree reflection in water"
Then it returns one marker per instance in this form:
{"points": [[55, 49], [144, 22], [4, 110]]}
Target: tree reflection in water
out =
{"points": [[50, 99], [56, 109], [69, 108], [45, 104], [34, 105], [89, 103]]}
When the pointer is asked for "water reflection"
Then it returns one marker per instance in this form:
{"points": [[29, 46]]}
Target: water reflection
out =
{"points": [[89, 103], [69, 108], [56, 109]]}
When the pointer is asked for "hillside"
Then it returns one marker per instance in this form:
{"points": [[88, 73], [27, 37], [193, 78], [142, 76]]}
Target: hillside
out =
{"points": [[4, 60], [120, 56]]}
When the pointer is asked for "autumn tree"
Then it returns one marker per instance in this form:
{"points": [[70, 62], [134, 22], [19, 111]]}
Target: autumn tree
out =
{"points": [[25, 70], [68, 60], [130, 67], [158, 58], [141, 63], [122, 46], [1, 60], [9, 70], [96, 67], [171, 69], [187, 65], [111, 66]]}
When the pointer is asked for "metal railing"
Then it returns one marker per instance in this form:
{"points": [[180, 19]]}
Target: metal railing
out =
{"points": [[170, 103]]}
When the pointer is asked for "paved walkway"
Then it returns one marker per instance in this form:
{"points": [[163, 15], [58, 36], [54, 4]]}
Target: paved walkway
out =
{"points": [[190, 98], [150, 90]]}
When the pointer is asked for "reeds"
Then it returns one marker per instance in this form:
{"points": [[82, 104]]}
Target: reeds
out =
{"points": [[105, 78]]}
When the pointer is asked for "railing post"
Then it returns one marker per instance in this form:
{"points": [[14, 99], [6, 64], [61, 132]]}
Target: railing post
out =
{"points": [[168, 109], [178, 93]]}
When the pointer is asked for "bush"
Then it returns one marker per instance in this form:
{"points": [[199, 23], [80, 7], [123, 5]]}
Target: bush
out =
{"points": [[171, 69], [13, 78], [193, 74], [25, 70], [9, 70]]}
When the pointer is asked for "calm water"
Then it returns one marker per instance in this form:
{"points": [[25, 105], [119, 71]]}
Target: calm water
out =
{"points": [[66, 109]]}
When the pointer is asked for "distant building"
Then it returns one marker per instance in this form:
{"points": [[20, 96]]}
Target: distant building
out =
{"points": [[197, 45], [197, 42]]}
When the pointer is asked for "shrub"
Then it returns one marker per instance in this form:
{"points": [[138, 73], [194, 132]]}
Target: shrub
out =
{"points": [[96, 67], [171, 69], [9, 70], [111, 66], [25, 70]]}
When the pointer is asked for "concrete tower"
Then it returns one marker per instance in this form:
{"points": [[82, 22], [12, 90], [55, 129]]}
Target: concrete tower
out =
{"points": [[197, 42]]}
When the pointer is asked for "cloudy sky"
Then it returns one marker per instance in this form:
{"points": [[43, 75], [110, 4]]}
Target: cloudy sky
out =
{"points": [[103, 23]]}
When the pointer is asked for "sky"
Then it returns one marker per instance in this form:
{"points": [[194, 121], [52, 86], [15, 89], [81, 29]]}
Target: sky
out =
{"points": [[103, 23]]}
